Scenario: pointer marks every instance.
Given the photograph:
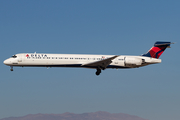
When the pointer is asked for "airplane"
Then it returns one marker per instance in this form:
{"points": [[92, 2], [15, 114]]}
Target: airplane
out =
{"points": [[98, 62]]}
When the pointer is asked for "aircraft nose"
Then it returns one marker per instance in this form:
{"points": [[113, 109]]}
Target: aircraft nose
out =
{"points": [[6, 62]]}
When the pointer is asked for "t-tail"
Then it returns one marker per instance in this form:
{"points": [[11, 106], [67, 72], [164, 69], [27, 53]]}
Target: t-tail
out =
{"points": [[157, 49]]}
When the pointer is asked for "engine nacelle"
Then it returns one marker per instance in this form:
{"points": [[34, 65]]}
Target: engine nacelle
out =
{"points": [[133, 62]]}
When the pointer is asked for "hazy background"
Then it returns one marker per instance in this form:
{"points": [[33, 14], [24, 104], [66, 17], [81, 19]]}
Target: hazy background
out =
{"points": [[114, 27]]}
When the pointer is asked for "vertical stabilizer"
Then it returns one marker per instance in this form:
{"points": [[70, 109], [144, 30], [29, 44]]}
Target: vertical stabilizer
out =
{"points": [[157, 49]]}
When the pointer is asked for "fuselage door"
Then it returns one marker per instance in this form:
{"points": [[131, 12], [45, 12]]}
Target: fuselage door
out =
{"points": [[19, 58]]}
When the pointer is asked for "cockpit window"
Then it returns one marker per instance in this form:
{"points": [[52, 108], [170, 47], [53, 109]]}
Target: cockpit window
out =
{"points": [[14, 56]]}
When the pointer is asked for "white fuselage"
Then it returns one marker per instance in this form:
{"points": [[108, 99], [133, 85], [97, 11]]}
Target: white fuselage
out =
{"points": [[77, 60]]}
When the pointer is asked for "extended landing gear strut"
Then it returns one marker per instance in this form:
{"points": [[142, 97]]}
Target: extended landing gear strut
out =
{"points": [[11, 68], [98, 71], [99, 68]]}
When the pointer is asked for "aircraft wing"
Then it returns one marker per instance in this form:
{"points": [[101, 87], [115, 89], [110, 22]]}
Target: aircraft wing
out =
{"points": [[102, 63]]}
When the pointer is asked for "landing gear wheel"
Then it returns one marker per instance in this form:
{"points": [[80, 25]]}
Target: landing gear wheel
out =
{"points": [[11, 68], [98, 71]]}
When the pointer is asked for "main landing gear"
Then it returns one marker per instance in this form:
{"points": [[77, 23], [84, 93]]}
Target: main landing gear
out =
{"points": [[99, 68], [11, 68], [98, 71]]}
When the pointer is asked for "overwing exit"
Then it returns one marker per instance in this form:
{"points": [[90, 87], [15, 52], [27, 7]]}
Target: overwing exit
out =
{"points": [[98, 62]]}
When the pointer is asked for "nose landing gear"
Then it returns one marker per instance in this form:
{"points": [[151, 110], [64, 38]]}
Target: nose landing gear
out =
{"points": [[11, 68]]}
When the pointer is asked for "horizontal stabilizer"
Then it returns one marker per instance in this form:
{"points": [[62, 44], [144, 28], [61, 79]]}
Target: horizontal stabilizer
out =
{"points": [[160, 44]]}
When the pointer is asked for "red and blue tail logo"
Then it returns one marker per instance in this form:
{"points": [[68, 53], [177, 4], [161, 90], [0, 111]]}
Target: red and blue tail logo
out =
{"points": [[157, 49]]}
